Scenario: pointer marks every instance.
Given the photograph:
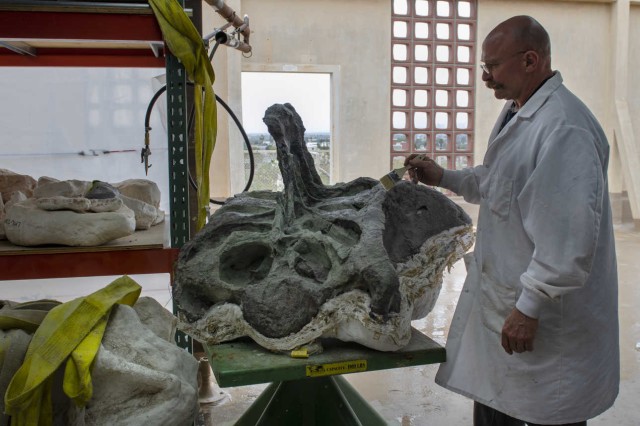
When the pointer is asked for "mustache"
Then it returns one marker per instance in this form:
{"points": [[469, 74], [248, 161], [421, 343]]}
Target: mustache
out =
{"points": [[493, 86]]}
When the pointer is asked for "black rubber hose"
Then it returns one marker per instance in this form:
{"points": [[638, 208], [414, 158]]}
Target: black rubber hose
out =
{"points": [[252, 162], [147, 120], [152, 102], [213, 51]]}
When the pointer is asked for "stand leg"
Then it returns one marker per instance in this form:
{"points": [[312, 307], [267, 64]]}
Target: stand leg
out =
{"points": [[366, 413], [209, 393], [311, 402]]}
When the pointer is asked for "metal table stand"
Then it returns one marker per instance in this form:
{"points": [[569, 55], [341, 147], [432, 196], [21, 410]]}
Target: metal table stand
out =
{"points": [[311, 391]]}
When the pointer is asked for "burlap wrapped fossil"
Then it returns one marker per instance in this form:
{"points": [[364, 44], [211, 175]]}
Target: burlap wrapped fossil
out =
{"points": [[351, 261], [79, 213], [138, 377]]}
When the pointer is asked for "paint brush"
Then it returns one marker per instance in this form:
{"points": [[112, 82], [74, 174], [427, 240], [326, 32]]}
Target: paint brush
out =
{"points": [[395, 175]]}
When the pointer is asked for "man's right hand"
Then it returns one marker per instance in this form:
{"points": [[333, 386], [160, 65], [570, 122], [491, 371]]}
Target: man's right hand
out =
{"points": [[424, 169]]}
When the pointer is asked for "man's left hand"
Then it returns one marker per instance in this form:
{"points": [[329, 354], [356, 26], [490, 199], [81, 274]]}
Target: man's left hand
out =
{"points": [[518, 332]]}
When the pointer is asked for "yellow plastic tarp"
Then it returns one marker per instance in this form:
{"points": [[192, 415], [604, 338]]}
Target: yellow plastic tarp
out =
{"points": [[70, 333], [186, 44]]}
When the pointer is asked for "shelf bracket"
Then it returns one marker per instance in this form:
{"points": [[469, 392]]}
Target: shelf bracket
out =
{"points": [[19, 47], [156, 48]]}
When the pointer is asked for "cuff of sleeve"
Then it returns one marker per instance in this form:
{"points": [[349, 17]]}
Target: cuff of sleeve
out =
{"points": [[529, 303], [451, 180]]}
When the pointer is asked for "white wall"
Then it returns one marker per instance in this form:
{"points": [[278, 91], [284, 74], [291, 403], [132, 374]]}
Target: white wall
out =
{"points": [[584, 65], [353, 39], [633, 96], [48, 115]]}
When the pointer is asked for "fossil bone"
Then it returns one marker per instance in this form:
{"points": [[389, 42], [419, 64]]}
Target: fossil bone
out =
{"points": [[351, 260]]}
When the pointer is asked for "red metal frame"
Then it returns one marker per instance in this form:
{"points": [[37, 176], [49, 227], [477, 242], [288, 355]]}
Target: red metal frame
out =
{"points": [[66, 26], [88, 58], [34, 265]]}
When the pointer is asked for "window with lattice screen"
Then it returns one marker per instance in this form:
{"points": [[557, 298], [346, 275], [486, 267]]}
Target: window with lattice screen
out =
{"points": [[432, 80]]}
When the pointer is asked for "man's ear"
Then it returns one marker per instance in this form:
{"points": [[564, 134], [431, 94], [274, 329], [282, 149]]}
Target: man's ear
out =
{"points": [[532, 60]]}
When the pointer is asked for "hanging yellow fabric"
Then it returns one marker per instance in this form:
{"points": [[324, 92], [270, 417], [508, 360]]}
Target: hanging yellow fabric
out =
{"points": [[71, 332], [186, 44]]}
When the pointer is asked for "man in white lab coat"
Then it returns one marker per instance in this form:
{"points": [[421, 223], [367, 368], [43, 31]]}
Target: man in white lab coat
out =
{"points": [[535, 334]]}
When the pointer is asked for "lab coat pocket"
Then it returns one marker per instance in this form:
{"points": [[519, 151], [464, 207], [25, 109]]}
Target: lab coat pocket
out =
{"points": [[500, 196], [496, 302]]}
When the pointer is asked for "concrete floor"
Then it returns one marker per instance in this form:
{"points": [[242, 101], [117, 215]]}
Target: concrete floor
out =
{"points": [[410, 397]]}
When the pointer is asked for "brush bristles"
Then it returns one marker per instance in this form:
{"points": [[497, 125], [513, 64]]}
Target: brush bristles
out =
{"points": [[393, 177]]}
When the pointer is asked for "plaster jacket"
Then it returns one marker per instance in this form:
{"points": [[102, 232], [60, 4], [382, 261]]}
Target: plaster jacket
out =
{"points": [[545, 245]]}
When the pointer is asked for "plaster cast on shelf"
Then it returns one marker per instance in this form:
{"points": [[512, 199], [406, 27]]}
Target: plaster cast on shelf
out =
{"points": [[28, 225], [76, 212], [11, 182]]}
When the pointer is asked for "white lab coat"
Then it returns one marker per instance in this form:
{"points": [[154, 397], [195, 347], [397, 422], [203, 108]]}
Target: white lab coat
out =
{"points": [[545, 245]]}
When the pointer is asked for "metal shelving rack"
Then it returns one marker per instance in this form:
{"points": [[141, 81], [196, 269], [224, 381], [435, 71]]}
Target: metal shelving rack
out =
{"points": [[105, 34]]}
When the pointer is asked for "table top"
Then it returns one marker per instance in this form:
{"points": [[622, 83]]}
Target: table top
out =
{"points": [[244, 362]]}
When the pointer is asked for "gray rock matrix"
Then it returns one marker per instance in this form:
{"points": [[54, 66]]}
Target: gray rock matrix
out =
{"points": [[280, 256]]}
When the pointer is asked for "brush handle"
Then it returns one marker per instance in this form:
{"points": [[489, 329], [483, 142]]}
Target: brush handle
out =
{"points": [[401, 171]]}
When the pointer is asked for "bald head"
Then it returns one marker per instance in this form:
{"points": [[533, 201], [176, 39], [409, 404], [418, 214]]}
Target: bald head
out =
{"points": [[524, 33], [517, 59]]}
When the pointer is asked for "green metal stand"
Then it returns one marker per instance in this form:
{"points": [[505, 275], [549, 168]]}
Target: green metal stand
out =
{"points": [[311, 392], [309, 402]]}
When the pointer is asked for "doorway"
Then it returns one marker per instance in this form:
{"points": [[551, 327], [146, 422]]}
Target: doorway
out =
{"points": [[310, 94]]}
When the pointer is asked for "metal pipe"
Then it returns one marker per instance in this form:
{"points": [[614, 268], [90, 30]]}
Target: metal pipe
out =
{"points": [[228, 40], [242, 24]]}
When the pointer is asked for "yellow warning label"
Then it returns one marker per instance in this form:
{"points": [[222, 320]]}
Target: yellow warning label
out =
{"points": [[317, 370]]}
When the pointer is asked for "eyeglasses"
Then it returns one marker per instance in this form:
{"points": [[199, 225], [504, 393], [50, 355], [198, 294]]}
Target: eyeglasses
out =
{"points": [[488, 68]]}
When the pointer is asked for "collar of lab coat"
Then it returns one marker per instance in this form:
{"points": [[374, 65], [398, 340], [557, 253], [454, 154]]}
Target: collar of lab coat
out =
{"points": [[530, 107]]}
